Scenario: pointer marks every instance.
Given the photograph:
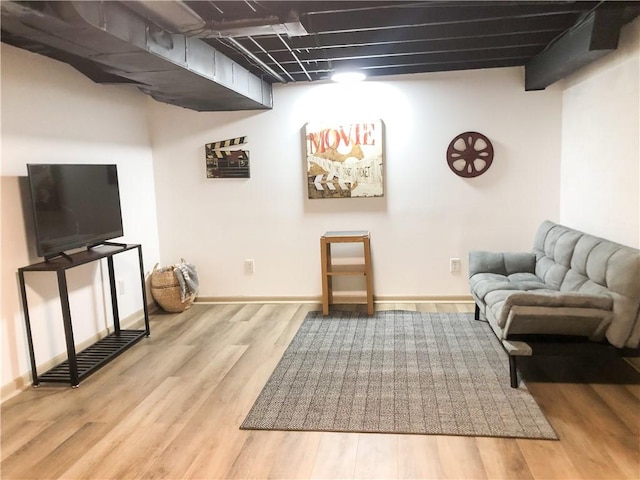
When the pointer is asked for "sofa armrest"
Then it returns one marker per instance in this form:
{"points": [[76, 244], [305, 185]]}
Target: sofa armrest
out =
{"points": [[561, 302], [559, 299], [503, 263]]}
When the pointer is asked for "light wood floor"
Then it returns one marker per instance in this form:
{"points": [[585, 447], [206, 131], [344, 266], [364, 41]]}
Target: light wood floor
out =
{"points": [[170, 408]]}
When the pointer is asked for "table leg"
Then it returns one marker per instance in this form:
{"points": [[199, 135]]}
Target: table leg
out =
{"points": [[368, 275], [68, 329], [27, 321], [325, 256]]}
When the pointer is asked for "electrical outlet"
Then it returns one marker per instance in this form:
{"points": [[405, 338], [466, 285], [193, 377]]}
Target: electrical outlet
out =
{"points": [[454, 265], [249, 266], [121, 287]]}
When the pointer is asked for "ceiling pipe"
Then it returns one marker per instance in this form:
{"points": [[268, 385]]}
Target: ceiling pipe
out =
{"points": [[252, 56], [295, 56], [272, 59]]}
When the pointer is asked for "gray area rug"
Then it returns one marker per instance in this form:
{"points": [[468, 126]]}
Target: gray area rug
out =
{"points": [[396, 372]]}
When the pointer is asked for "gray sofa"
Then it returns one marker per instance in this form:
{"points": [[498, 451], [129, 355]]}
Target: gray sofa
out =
{"points": [[571, 284]]}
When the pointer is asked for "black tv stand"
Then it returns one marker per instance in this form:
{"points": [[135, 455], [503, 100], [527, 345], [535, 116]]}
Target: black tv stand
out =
{"points": [[110, 244], [80, 365]]}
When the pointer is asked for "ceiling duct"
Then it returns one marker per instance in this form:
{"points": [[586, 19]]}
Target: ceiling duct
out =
{"points": [[271, 25], [178, 17], [592, 38], [113, 44], [175, 17]]}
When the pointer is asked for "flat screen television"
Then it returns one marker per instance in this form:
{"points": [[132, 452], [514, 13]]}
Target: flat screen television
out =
{"points": [[74, 206]]}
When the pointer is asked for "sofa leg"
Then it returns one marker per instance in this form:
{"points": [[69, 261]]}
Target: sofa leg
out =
{"points": [[476, 314], [513, 372]]}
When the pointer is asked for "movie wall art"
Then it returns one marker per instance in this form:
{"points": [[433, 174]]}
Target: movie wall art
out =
{"points": [[344, 160]]}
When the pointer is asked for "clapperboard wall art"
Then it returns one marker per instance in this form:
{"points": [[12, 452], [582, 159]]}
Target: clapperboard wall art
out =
{"points": [[222, 162]]}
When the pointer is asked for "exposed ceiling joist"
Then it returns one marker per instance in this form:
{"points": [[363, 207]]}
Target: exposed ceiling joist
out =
{"points": [[497, 42], [430, 13], [474, 30]]}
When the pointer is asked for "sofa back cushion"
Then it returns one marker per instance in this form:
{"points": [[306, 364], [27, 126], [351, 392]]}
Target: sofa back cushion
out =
{"points": [[572, 261]]}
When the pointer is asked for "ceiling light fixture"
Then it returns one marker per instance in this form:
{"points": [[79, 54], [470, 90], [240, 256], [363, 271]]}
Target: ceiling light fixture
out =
{"points": [[348, 77]]}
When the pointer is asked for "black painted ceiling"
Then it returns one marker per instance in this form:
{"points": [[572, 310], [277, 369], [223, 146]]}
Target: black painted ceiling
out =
{"points": [[225, 55], [398, 37]]}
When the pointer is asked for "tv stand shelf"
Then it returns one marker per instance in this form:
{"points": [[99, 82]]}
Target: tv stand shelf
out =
{"points": [[80, 365], [95, 356]]}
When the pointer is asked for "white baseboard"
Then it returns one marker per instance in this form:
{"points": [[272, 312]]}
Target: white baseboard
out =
{"points": [[347, 297]]}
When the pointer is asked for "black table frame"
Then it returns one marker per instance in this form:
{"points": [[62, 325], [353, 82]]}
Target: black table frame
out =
{"points": [[80, 365]]}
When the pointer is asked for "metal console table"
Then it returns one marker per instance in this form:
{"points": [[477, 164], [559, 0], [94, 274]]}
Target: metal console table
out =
{"points": [[80, 365]]}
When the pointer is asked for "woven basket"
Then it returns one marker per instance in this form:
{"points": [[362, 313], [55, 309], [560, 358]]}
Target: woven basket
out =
{"points": [[166, 290]]}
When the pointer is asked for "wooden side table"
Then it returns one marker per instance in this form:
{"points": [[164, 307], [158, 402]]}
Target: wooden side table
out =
{"points": [[329, 269]]}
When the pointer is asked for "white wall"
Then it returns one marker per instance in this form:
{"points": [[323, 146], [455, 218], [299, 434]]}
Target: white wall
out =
{"points": [[53, 114], [427, 215], [600, 175]]}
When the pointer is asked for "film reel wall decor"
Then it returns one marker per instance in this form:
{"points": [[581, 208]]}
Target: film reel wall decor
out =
{"points": [[470, 154]]}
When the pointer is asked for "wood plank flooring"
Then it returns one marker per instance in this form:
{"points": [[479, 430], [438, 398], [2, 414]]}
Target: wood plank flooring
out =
{"points": [[170, 408]]}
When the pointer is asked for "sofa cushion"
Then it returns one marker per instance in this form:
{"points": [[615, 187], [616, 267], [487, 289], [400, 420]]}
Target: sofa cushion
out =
{"points": [[484, 283], [503, 263]]}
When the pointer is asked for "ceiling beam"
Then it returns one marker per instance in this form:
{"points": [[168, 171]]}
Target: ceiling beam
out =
{"points": [[596, 36]]}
